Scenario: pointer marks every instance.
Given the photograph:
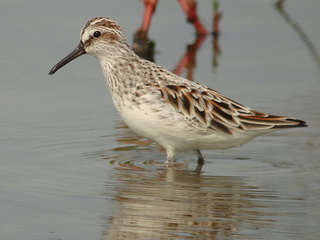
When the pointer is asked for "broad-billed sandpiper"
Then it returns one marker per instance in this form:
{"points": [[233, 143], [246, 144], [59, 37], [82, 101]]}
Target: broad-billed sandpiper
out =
{"points": [[178, 114]]}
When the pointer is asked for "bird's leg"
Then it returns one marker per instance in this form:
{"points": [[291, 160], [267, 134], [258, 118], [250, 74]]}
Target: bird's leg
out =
{"points": [[190, 9], [170, 156], [200, 158], [150, 6]]}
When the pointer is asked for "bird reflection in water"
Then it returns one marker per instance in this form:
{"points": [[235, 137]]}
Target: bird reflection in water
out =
{"points": [[180, 204]]}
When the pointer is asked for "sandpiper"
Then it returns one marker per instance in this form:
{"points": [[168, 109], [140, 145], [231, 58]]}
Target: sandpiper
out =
{"points": [[178, 114]]}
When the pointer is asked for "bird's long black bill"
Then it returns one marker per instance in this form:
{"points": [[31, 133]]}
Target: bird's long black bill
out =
{"points": [[77, 52]]}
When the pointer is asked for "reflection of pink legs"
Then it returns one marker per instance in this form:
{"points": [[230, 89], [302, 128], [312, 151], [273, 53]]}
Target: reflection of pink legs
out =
{"points": [[188, 61], [144, 47], [190, 9], [188, 6]]}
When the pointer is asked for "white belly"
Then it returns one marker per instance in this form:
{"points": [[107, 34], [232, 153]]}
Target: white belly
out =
{"points": [[173, 133]]}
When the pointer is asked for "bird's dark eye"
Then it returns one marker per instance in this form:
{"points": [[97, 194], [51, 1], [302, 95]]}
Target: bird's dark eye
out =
{"points": [[97, 34]]}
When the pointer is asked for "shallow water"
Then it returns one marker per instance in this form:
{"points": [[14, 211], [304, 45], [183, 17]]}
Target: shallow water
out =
{"points": [[70, 169]]}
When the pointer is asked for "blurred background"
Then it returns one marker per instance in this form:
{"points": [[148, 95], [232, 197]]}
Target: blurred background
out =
{"points": [[70, 169]]}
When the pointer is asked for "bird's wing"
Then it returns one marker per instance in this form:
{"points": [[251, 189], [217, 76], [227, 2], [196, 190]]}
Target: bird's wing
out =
{"points": [[211, 110]]}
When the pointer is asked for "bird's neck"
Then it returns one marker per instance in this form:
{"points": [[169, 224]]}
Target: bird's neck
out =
{"points": [[121, 69]]}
